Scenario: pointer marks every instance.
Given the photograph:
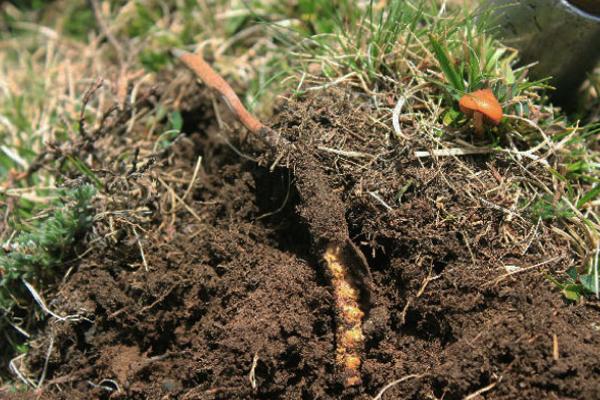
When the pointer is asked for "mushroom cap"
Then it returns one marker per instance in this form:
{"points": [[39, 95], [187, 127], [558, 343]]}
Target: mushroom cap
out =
{"points": [[482, 101]]}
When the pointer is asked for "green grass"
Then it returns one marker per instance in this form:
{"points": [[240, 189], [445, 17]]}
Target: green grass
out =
{"points": [[40, 249], [577, 285], [403, 40], [37, 254], [43, 222]]}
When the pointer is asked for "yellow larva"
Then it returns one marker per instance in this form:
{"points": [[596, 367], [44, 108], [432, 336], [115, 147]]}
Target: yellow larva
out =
{"points": [[350, 338]]}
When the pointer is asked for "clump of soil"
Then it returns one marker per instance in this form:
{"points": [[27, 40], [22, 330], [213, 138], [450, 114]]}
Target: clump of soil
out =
{"points": [[231, 299]]}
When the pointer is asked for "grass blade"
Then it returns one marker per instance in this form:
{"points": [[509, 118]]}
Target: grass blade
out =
{"points": [[450, 72]]}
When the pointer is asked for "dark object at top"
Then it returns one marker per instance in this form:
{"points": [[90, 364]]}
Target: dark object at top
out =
{"points": [[563, 36], [588, 6]]}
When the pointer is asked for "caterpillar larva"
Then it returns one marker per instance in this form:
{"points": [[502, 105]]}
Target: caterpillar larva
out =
{"points": [[350, 338]]}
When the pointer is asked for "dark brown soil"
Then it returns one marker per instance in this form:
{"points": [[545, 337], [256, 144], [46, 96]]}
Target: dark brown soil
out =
{"points": [[235, 302]]}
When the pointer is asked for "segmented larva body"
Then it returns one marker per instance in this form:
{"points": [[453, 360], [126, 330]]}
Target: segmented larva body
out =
{"points": [[350, 339]]}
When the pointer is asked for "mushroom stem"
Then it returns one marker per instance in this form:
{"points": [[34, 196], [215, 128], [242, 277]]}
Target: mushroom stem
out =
{"points": [[478, 122]]}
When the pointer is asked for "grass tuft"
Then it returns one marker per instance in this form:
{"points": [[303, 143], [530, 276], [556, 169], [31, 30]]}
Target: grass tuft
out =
{"points": [[38, 254], [42, 246]]}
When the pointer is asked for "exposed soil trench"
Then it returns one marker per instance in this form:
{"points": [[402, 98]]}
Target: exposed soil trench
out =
{"points": [[237, 303]]}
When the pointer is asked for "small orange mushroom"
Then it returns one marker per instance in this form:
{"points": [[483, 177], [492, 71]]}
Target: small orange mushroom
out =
{"points": [[483, 106]]}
